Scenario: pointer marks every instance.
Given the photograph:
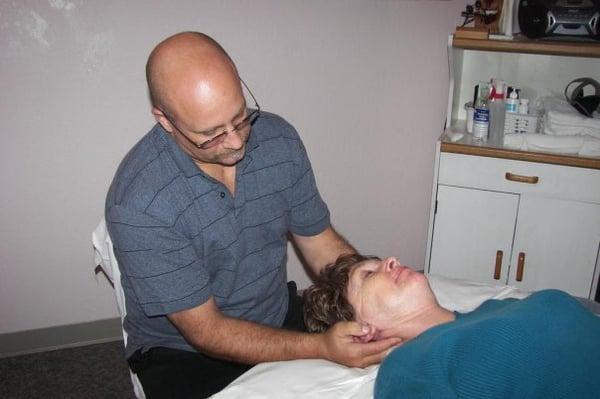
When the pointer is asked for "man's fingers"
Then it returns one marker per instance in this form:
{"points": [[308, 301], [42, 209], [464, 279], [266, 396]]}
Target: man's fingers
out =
{"points": [[352, 328], [373, 359], [359, 332], [375, 352], [382, 346], [345, 344]]}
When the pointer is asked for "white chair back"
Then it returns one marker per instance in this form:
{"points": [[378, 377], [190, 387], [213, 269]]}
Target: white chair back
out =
{"points": [[104, 256]]}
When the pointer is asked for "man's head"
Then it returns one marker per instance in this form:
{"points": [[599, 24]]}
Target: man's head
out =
{"points": [[382, 294], [196, 95]]}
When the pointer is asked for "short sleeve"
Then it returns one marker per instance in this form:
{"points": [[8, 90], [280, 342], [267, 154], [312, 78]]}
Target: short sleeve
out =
{"points": [[309, 213], [159, 262]]}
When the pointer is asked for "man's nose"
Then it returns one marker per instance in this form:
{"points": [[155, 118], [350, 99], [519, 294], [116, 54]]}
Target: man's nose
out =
{"points": [[233, 140]]}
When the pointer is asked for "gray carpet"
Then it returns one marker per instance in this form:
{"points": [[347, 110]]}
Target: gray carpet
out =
{"points": [[93, 371]]}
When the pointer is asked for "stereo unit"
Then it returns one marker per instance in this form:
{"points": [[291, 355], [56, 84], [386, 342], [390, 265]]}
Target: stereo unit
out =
{"points": [[562, 18]]}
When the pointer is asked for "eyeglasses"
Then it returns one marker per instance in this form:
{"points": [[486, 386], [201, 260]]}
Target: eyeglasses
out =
{"points": [[238, 127]]}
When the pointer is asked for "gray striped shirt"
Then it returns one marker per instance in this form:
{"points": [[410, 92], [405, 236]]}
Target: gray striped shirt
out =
{"points": [[180, 237]]}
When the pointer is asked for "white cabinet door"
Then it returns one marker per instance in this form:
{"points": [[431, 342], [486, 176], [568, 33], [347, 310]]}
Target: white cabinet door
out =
{"points": [[470, 227], [559, 241]]}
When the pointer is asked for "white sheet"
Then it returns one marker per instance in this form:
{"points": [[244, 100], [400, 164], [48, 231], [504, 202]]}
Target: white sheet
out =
{"points": [[313, 378]]}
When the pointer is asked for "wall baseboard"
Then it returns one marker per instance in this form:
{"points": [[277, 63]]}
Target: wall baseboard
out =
{"points": [[60, 337]]}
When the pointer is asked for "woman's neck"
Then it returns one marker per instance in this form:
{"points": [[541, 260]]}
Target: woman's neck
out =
{"points": [[408, 327]]}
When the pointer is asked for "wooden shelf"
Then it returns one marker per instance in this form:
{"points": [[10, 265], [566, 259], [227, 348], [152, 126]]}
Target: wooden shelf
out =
{"points": [[530, 156], [523, 45]]}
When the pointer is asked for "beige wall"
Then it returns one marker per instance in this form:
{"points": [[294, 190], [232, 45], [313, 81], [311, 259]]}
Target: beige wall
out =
{"points": [[364, 82]]}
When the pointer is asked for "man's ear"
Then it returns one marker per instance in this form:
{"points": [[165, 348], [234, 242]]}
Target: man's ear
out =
{"points": [[162, 119]]}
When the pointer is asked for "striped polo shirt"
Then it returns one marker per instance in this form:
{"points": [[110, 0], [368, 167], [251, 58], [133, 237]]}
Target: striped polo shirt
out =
{"points": [[180, 237]]}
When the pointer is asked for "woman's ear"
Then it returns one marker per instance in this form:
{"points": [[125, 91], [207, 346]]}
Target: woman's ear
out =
{"points": [[378, 335], [369, 335]]}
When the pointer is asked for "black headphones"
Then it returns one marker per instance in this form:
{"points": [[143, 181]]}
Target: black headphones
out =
{"points": [[584, 104]]}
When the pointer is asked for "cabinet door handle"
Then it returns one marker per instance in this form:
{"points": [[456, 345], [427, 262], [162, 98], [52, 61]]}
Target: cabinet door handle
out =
{"points": [[520, 266], [521, 178], [498, 267]]}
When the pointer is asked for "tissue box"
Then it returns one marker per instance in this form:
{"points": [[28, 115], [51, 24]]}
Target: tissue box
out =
{"points": [[521, 123]]}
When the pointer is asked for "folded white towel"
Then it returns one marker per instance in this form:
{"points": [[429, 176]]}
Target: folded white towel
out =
{"points": [[561, 130], [571, 119], [554, 103], [571, 116], [561, 119], [590, 148], [565, 130], [561, 144], [569, 145], [515, 141]]}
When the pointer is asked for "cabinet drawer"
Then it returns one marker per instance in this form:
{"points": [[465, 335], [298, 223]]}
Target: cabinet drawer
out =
{"points": [[557, 181]]}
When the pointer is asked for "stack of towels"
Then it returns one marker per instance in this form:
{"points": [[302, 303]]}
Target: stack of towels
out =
{"points": [[565, 131]]}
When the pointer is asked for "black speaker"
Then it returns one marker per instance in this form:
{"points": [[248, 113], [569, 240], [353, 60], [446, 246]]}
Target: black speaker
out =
{"points": [[533, 18], [564, 18]]}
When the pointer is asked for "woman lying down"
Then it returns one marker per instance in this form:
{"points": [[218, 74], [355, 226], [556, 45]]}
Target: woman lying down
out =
{"points": [[544, 346]]}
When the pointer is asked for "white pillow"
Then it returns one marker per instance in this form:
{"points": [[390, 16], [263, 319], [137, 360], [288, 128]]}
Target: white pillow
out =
{"points": [[464, 295]]}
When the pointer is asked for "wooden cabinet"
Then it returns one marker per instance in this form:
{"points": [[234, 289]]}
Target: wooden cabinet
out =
{"points": [[473, 231], [556, 245], [512, 217], [527, 224]]}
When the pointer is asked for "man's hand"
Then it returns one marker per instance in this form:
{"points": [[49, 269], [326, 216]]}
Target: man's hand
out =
{"points": [[341, 345], [245, 342]]}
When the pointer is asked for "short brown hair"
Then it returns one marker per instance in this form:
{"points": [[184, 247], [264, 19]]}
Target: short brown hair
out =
{"points": [[325, 301]]}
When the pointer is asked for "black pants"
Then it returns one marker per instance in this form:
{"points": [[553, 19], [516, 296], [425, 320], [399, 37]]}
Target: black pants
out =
{"points": [[173, 373]]}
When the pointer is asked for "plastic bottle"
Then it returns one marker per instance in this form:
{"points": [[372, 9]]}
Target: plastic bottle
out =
{"points": [[497, 114], [512, 102], [481, 116]]}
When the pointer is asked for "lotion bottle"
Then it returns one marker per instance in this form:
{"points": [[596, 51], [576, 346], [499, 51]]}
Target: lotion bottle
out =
{"points": [[512, 102]]}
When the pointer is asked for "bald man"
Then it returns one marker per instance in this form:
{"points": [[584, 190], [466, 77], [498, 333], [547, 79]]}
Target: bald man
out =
{"points": [[199, 212]]}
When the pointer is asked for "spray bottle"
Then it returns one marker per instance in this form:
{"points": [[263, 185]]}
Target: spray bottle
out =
{"points": [[497, 114]]}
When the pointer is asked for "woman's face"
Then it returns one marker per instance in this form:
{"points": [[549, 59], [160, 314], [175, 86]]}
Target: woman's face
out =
{"points": [[384, 293]]}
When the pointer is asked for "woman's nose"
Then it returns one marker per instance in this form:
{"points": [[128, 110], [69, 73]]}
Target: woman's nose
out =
{"points": [[389, 263]]}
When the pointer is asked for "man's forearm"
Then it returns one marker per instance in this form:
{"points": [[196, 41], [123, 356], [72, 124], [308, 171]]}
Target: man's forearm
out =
{"points": [[251, 343], [227, 338]]}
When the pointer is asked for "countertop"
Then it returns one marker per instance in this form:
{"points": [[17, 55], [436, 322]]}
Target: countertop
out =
{"points": [[467, 145]]}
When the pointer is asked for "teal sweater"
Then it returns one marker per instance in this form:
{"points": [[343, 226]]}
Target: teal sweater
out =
{"points": [[544, 346]]}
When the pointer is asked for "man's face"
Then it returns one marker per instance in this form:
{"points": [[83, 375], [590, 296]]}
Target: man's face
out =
{"points": [[204, 118], [383, 292]]}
